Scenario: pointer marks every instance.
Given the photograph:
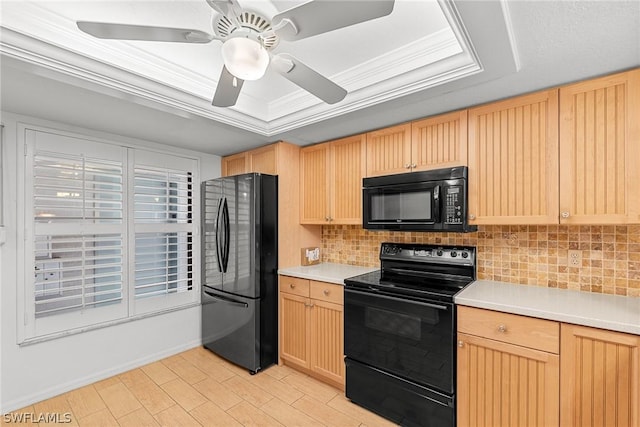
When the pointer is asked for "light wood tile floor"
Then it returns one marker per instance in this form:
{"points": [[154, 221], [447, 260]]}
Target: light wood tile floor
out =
{"points": [[198, 388]]}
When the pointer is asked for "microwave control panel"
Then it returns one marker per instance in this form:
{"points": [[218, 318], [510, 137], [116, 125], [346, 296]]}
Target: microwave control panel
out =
{"points": [[453, 204]]}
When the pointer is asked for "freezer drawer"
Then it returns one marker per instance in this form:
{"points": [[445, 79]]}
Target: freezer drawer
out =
{"points": [[230, 327]]}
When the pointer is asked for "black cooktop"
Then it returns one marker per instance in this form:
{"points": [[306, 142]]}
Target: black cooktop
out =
{"points": [[422, 287], [419, 271]]}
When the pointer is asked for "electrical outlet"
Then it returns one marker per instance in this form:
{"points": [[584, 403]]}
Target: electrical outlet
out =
{"points": [[575, 258]]}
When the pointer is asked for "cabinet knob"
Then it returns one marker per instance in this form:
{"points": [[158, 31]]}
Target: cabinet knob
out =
{"points": [[565, 214], [407, 166], [460, 344], [502, 329], [292, 285], [326, 218], [413, 165], [472, 216], [326, 292]]}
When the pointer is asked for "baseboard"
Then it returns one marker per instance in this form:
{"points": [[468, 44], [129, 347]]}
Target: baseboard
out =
{"points": [[107, 373]]}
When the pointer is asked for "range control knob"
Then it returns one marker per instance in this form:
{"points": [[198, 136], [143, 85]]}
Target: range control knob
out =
{"points": [[454, 254], [439, 253], [465, 254]]}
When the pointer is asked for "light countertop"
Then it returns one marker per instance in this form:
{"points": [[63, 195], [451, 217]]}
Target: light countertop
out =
{"points": [[326, 272], [613, 312]]}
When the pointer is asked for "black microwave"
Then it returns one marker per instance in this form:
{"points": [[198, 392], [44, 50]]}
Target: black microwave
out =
{"points": [[434, 200]]}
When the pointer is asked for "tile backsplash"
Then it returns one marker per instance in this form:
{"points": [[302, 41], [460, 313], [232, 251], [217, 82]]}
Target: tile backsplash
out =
{"points": [[533, 255]]}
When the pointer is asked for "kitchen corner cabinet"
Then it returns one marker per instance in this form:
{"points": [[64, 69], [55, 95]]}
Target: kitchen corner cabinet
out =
{"points": [[508, 370], [311, 328], [600, 378], [282, 159], [513, 161], [600, 150], [331, 182], [431, 143]]}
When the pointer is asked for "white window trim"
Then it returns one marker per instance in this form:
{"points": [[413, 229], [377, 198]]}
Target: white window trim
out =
{"points": [[26, 230]]}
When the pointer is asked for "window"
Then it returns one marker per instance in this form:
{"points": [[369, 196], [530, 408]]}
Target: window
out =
{"points": [[110, 233]]}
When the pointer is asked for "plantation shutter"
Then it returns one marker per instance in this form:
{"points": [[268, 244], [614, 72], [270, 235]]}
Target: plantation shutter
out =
{"points": [[76, 195], [163, 191]]}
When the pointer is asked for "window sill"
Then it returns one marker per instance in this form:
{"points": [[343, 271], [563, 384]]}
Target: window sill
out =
{"points": [[49, 337]]}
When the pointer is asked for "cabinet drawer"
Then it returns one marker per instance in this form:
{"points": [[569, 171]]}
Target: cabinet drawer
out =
{"points": [[294, 285], [525, 331], [329, 292]]}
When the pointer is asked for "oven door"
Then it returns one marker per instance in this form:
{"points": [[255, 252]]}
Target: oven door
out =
{"points": [[408, 338]]}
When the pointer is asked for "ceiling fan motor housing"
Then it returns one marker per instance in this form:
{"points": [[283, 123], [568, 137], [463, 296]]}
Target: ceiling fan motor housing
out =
{"points": [[248, 20]]}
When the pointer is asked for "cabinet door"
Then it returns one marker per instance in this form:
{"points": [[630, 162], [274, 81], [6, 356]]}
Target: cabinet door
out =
{"points": [[439, 142], [235, 164], [502, 384], [264, 160], [314, 188], [600, 150], [327, 342], [347, 171], [389, 150], [600, 377], [294, 329], [513, 161]]}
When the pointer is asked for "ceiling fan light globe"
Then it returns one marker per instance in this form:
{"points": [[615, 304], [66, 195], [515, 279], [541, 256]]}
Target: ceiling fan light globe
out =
{"points": [[245, 58]]}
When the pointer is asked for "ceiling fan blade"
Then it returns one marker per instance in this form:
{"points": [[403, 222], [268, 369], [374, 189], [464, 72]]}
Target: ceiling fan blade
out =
{"points": [[227, 90], [229, 8], [322, 16], [307, 78], [105, 30]]}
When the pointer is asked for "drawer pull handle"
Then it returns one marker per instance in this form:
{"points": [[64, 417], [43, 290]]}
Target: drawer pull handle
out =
{"points": [[291, 285], [460, 344], [502, 328], [326, 292]]}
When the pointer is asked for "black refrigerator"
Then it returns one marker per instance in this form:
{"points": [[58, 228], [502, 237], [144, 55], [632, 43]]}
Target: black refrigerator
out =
{"points": [[239, 269]]}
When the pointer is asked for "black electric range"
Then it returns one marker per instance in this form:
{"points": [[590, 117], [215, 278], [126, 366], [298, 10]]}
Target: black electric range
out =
{"points": [[400, 332]]}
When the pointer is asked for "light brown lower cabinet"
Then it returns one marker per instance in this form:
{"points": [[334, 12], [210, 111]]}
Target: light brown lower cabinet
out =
{"points": [[600, 378], [500, 381], [522, 371], [311, 328]]}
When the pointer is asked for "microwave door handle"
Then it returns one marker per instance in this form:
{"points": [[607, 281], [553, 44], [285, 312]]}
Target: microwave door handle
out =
{"points": [[436, 204]]}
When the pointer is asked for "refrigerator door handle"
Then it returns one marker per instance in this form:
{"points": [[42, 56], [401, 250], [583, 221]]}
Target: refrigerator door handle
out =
{"points": [[227, 233], [218, 255], [227, 300]]}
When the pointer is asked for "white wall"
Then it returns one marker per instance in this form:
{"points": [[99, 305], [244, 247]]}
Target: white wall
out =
{"points": [[30, 373]]}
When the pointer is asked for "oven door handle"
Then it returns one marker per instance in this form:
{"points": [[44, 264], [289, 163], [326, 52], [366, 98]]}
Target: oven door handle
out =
{"points": [[377, 295]]}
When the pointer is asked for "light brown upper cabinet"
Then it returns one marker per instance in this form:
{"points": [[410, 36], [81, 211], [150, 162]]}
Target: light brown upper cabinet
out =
{"points": [[389, 150], [235, 164], [439, 142], [262, 160], [431, 143], [600, 150], [513, 161], [331, 185]]}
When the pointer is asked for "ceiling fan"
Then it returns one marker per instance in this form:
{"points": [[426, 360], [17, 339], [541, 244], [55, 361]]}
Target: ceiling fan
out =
{"points": [[249, 38]]}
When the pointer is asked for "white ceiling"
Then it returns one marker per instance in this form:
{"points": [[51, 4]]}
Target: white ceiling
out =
{"points": [[426, 57]]}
